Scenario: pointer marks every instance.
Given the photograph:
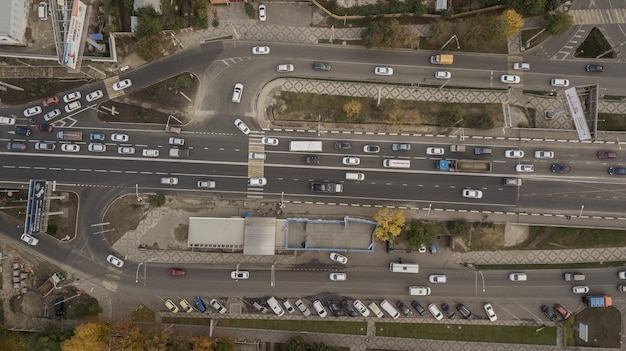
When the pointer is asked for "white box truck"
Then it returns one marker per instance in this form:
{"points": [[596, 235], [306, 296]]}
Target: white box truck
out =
{"points": [[305, 146]]}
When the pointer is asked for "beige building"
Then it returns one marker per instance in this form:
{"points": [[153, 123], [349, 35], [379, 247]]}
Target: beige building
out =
{"points": [[14, 21]]}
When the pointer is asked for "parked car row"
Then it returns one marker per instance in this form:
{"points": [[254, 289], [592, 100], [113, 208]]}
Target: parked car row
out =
{"points": [[198, 303]]}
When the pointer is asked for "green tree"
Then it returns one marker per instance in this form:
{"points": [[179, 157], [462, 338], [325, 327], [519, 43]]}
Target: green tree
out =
{"points": [[148, 22], [526, 7], [558, 23], [296, 343], [383, 34], [484, 121], [319, 346], [453, 116], [419, 234], [149, 48], [183, 81], [390, 223], [49, 339], [225, 344]]}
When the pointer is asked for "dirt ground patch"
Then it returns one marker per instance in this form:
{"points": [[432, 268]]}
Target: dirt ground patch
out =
{"points": [[307, 107], [605, 325], [125, 213]]}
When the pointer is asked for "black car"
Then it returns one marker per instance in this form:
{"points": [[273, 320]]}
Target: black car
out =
{"points": [[548, 312], [22, 131], [407, 312], [348, 307], [418, 307], [311, 160], [448, 311], [334, 309], [559, 168], [464, 311], [617, 170], [342, 145], [58, 306], [594, 68]]}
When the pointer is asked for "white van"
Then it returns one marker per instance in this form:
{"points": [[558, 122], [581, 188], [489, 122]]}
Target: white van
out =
{"points": [[388, 307], [395, 163], [356, 176], [275, 306], [42, 11], [419, 290], [376, 310]]}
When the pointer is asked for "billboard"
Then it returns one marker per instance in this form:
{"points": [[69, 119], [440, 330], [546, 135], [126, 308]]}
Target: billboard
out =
{"points": [[576, 110], [73, 40]]}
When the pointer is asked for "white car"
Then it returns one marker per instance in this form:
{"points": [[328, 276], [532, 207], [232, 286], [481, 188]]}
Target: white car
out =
{"points": [[126, 150], [525, 168], [521, 66], [150, 153], [97, 147], [237, 92], [29, 239], [262, 13], [215, 304], [371, 149], [491, 314], [115, 261], [302, 307], [239, 275], [284, 68], [72, 106], [9, 121], [472, 193], [70, 147], [319, 308], [122, 84], [443, 75], [422, 249], [621, 275], [510, 79], [169, 180], [206, 184], [351, 161], [52, 114], [177, 141], [513, 153], [434, 310], [269, 141], [360, 306], [242, 126], [261, 50], [45, 146], [580, 289], [94, 95], [32, 111], [257, 182], [559, 82], [171, 306], [337, 277], [435, 151], [518, 277], [383, 71], [338, 258], [437, 278], [544, 154], [71, 97], [186, 306], [120, 138]]}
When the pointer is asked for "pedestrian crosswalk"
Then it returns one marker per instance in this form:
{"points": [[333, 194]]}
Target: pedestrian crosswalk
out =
{"points": [[599, 16]]}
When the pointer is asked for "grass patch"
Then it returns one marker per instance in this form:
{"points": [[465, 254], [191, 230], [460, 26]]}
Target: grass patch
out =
{"points": [[614, 97], [553, 266], [143, 314], [570, 340], [187, 321], [595, 45], [580, 238], [341, 42], [611, 121], [330, 327], [529, 33], [466, 332]]}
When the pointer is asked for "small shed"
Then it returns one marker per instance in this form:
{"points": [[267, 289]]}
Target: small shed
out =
{"points": [[441, 5]]}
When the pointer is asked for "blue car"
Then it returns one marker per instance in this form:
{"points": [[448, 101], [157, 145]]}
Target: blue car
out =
{"points": [[199, 304], [433, 249]]}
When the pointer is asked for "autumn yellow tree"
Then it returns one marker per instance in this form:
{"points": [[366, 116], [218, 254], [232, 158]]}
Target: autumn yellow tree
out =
{"points": [[127, 336], [390, 223], [514, 22], [89, 336], [352, 108], [202, 343]]}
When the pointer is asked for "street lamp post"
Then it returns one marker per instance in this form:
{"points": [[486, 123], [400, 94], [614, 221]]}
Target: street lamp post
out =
{"points": [[272, 275], [581, 211], [139, 199], [237, 272], [282, 199]]}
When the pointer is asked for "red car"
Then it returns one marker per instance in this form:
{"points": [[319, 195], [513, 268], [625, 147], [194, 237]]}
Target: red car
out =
{"points": [[176, 272], [43, 127], [565, 314], [51, 101], [606, 154]]}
